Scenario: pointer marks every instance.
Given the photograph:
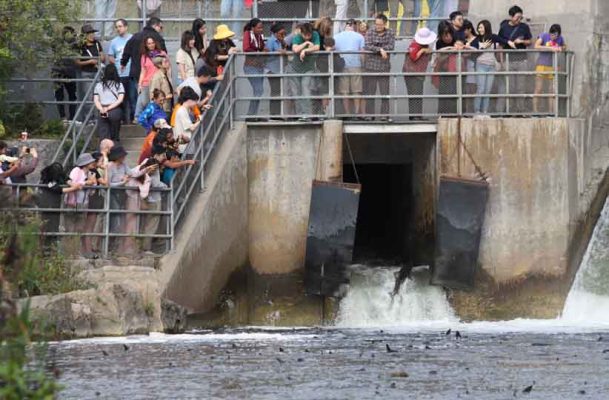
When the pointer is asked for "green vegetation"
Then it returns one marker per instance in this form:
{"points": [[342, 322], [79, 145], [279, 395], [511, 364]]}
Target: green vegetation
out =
{"points": [[23, 372], [26, 269], [25, 46], [28, 117]]}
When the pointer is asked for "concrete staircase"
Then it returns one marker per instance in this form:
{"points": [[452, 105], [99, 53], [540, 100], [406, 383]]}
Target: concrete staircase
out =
{"points": [[132, 138]]}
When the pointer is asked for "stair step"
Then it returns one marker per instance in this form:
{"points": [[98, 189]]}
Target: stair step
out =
{"points": [[131, 131], [132, 143]]}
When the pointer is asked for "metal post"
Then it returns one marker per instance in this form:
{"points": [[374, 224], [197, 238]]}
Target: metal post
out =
{"points": [[331, 84], [144, 10], [459, 84], [170, 221], [556, 87], [507, 82], [365, 13], [255, 9], [281, 91], [107, 223]]}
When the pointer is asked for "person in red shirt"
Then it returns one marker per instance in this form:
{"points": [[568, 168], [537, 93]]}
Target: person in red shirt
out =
{"points": [[416, 61], [253, 42]]}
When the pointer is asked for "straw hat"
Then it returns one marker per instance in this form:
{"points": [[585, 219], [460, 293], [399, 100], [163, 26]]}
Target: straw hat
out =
{"points": [[425, 36], [222, 32]]}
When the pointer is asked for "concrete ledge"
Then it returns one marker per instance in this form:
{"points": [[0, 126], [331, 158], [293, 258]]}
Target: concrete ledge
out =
{"points": [[431, 127], [213, 239]]}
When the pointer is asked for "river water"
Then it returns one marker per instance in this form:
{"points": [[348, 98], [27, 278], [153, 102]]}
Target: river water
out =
{"points": [[381, 347]]}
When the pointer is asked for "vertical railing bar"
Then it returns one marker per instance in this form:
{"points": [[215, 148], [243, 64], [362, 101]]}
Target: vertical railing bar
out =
{"points": [[507, 83], [459, 83], [556, 87], [106, 250], [331, 84]]}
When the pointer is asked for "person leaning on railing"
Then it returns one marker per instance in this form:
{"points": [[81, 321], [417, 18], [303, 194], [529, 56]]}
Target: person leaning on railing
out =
{"points": [[304, 43], [153, 200], [550, 43], [253, 42], [351, 42], [379, 41], [276, 44], [446, 61], [56, 183], [417, 61], [77, 222], [184, 126]]}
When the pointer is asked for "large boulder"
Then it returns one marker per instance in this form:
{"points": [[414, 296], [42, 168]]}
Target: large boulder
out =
{"points": [[124, 300]]}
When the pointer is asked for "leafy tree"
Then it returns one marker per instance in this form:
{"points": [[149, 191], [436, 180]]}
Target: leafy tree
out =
{"points": [[29, 30]]}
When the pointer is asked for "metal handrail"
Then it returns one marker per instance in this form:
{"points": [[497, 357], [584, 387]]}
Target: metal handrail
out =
{"points": [[71, 132], [106, 212], [222, 116]]}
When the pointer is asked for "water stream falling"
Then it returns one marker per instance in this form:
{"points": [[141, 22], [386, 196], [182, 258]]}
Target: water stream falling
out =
{"points": [[369, 302], [588, 300]]}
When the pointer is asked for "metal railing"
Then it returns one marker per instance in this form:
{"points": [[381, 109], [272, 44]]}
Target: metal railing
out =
{"points": [[442, 91], [106, 225], [231, 93], [80, 129]]}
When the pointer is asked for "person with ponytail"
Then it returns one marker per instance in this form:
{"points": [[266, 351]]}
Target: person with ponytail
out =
{"points": [[253, 42]]}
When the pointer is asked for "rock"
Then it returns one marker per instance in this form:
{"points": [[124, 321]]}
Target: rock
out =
{"points": [[125, 300], [399, 374], [173, 317]]}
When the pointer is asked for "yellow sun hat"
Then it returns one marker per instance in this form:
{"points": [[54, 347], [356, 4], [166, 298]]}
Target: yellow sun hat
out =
{"points": [[222, 32]]}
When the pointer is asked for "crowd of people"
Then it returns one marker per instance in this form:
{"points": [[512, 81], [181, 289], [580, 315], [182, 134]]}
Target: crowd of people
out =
{"points": [[136, 86]]}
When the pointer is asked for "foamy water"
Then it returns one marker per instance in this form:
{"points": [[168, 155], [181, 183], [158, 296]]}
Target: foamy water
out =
{"points": [[588, 300], [369, 301]]}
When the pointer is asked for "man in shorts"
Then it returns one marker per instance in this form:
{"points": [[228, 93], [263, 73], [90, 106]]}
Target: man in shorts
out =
{"points": [[350, 41]]}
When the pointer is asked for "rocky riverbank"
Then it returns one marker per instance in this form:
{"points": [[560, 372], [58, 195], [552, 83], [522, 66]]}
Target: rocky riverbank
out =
{"points": [[121, 300]]}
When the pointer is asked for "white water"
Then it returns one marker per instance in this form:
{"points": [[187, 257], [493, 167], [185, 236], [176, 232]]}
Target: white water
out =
{"points": [[369, 303], [588, 300]]}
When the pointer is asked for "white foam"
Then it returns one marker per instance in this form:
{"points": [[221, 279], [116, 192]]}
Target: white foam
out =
{"points": [[588, 300], [369, 303], [194, 337]]}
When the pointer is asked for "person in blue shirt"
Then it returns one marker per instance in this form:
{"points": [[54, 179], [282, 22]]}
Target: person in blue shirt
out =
{"points": [[276, 44], [117, 46], [153, 111], [350, 85]]}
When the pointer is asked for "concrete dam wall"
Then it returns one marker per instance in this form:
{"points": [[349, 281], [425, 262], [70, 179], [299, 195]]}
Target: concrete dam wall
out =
{"points": [[240, 254]]}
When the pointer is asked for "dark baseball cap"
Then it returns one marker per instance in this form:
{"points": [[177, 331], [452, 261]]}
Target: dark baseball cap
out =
{"points": [[351, 22], [88, 28]]}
